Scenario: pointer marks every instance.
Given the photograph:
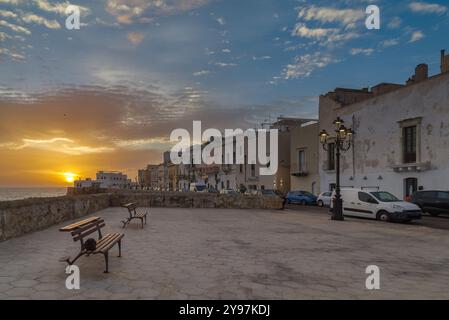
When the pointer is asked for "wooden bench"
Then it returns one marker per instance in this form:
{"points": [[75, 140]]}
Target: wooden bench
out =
{"points": [[133, 214], [82, 229]]}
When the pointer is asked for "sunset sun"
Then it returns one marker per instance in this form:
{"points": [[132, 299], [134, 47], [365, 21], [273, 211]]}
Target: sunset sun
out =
{"points": [[69, 177]]}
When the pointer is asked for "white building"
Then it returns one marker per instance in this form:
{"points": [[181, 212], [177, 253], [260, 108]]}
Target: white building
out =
{"points": [[106, 180], [401, 141]]}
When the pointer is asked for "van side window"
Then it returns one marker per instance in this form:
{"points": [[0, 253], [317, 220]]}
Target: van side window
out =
{"points": [[365, 197]]}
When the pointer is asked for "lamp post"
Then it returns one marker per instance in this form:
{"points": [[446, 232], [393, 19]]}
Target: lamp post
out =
{"points": [[342, 142]]}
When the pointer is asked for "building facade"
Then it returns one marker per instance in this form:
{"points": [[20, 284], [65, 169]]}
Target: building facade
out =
{"points": [[106, 180], [401, 139], [304, 158]]}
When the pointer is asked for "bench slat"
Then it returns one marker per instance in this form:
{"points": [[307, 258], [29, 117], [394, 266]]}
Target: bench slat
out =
{"points": [[109, 242], [75, 225], [79, 230], [86, 233]]}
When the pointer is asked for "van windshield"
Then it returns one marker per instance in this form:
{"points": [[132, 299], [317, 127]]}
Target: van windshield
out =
{"points": [[385, 196]]}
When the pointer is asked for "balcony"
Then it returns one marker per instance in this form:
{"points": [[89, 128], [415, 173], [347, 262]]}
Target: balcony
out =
{"points": [[412, 167]]}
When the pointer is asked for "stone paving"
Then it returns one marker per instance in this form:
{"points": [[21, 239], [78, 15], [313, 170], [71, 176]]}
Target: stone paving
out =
{"points": [[235, 254]]}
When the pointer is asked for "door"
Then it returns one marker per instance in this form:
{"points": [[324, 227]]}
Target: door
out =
{"points": [[411, 186], [429, 202], [363, 205], [443, 201]]}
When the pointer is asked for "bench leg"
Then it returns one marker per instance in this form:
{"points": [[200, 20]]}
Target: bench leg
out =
{"points": [[119, 248], [145, 219], [106, 259], [141, 220]]}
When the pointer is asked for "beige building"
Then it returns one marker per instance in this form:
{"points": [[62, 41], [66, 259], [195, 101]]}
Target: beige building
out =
{"points": [[304, 158]]}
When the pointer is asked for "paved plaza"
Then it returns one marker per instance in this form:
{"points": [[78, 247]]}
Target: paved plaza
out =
{"points": [[235, 254]]}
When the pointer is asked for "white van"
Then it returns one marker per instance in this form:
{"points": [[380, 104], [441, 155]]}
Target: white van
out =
{"points": [[380, 205]]}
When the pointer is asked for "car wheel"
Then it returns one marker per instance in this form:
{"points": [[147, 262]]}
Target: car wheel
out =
{"points": [[320, 203], [303, 202], [383, 216]]}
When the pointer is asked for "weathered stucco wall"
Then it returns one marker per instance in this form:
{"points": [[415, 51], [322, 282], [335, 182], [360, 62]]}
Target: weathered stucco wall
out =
{"points": [[377, 142], [23, 216]]}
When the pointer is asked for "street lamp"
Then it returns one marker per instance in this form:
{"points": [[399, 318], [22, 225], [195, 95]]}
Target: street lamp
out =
{"points": [[343, 142]]}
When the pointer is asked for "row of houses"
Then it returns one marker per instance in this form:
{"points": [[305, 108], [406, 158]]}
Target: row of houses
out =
{"points": [[240, 177], [400, 145]]}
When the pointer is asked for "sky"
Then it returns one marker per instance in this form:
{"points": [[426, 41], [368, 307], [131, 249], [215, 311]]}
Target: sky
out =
{"points": [[107, 96]]}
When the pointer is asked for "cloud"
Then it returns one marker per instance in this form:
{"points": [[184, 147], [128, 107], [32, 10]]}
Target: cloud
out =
{"points": [[348, 18], [58, 7], [225, 65], [390, 43], [8, 14], [13, 55], [59, 145], [201, 73], [135, 37], [416, 36], [261, 58], [422, 7], [394, 23], [32, 18], [324, 36], [131, 11], [305, 65], [302, 31], [15, 27], [159, 143], [357, 51], [221, 21]]}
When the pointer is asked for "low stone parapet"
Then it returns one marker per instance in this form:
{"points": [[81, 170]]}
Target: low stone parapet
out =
{"points": [[20, 217], [195, 200], [23, 216]]}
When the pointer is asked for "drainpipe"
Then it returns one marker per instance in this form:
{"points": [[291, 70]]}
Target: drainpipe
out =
{"points": [[353, 147]]}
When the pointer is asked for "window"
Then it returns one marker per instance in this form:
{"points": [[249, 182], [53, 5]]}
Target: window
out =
{"points": [[365, 197], [331, 156], [302, 160], [409, 147], [443, 195], [385, 196]]}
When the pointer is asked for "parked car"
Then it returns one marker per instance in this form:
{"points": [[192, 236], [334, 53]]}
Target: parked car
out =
{"points": [[380, 205], [324, 199], [432, 202], [229, 191], [301, 197], [198, 187], [252, 192]]}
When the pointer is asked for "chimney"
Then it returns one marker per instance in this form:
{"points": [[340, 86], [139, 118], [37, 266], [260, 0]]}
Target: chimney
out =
{"points": [[421, 72], [444, 62]]}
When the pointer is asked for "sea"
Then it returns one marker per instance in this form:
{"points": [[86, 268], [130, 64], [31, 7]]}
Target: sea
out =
{"points": [[8, 194]]}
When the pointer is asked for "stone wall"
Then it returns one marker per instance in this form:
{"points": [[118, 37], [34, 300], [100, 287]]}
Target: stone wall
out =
{"points": [[194, 200], [24, 216]]}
